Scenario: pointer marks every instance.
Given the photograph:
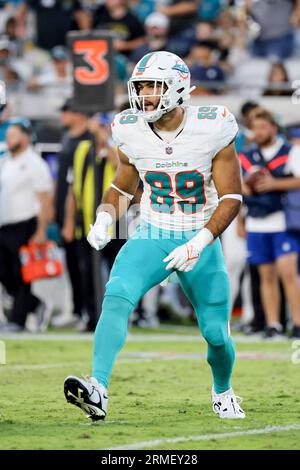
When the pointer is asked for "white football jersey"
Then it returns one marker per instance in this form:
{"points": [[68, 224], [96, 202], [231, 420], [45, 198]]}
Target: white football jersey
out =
{"points": [[179, 193]]}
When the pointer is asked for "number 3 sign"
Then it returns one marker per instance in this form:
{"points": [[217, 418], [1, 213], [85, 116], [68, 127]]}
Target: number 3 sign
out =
{"points": [[93, 73]]}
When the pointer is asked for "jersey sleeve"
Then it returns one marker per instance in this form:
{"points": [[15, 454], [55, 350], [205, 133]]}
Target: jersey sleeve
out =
{"points": [[227, 129], [115, 132], [122, 130]]}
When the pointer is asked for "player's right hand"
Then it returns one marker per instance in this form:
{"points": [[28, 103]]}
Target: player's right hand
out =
{"points": [[98, 236]]}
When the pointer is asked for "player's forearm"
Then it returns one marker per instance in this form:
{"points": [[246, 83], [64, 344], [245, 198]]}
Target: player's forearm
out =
{"points": [[131, 45], [42, 222], [285, 184], [114, 203], [226, 211], [43, 217]]}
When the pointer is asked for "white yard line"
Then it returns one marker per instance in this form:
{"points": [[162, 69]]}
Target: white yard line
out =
{"points": [[171, 355], [86, 364], [132, 338], [206, 437], [23, 367], [47, 337], [148, 356]]}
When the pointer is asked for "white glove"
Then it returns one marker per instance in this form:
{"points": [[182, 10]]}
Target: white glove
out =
{"points": [[185, 257], [98, 236]]}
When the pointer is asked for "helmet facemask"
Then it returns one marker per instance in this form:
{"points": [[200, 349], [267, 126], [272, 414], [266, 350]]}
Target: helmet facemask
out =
{"points": [[167, 98]]}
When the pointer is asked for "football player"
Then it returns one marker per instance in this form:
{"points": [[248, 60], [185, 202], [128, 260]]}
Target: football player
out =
{"points": [[185, 156]]}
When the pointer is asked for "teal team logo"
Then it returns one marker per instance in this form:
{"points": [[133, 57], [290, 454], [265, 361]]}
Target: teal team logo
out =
{"points": [[182, 70], [143, 64]]}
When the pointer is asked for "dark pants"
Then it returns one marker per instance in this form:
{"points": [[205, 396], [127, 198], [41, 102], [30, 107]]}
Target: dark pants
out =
{"points": [[74, 273], [84, 253], [280, 48], [89, 295], [12, 237]]}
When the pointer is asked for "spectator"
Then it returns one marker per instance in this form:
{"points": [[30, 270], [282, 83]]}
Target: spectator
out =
{"points": [[56, 79], [294, 201], [7, 10], [231, 33], [76, 125], [183, 17], [206, 69], [182, 14], [275, 18], [209, 10], [11, 31], [94, 160], [142, 8], [116, 16], [257, 324], [5, 122], [156, 30], [54, 19], [271, 166], [204, 31], [13, 70], [25, 202], [157, 38], [245, 135], [279, 83], [6, 55]]}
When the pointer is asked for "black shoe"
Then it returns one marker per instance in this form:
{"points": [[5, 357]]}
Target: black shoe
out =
{"points": [[252, 329], [271, 332], [11, 327], [86, 328], [295, 333], [88, 395]]}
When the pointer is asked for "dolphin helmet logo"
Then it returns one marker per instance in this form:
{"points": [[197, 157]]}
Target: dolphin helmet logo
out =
{"points": [[182, 69]]}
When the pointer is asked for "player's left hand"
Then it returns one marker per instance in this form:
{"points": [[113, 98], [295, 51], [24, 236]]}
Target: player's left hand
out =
{"points": [[185, 257]]}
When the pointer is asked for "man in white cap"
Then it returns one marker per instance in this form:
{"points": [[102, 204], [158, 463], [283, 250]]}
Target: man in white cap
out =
{"points": [[156, 31]]}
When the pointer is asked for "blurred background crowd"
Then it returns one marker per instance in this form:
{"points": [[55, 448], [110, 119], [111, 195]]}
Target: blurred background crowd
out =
{"points": [[244, 54]]}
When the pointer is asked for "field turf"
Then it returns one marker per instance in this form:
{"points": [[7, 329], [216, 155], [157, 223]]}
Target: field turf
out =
{"points": [[160, 391]]}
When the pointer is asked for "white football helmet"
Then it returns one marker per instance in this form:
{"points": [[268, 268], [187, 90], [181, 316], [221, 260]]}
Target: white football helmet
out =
{"points": [[173, 77]]}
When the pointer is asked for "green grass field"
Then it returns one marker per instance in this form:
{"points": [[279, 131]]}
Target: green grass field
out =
{"points": [[160, 390]]}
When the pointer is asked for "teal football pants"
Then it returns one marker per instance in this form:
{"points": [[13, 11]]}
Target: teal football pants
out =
{"points": [[138, 267]]}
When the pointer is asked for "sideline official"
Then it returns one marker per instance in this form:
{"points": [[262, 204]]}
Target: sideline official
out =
{"points": [[25, 201]]}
